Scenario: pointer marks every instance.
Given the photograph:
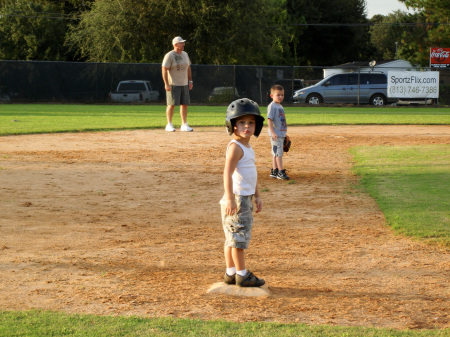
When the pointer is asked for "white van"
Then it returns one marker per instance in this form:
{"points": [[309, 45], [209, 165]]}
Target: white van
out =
{"points": [[362, 88]]}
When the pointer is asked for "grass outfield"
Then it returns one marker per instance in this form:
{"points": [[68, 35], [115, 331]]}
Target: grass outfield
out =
{"points": [[410, 185], [49, 118], [44, 323]]}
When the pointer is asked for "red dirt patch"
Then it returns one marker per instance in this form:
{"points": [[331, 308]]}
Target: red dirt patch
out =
{"points": [[128, 223]]}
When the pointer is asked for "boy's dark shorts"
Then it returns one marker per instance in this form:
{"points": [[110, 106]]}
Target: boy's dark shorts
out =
{"points": [[238, 227]]}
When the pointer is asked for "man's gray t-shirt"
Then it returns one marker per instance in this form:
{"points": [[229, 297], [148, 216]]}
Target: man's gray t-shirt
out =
{"points": [[178, 65]]}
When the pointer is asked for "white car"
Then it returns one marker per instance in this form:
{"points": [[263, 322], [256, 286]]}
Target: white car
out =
{"points": [[223, 95], [134, 91], [362, 88]]}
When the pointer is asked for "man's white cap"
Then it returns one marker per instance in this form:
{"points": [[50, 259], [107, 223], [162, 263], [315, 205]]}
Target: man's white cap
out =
{"points": [[177, 39]]}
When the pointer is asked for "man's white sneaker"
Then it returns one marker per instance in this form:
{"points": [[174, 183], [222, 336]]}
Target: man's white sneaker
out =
{"points": [[169, 127], [186, 127]]}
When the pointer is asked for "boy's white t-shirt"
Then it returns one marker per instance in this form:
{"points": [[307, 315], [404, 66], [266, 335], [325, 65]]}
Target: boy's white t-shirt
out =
{"points": [[245, 175]]}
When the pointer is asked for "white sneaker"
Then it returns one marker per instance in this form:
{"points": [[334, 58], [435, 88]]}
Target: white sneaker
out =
{"points": [[169, 127], [186, 127]]}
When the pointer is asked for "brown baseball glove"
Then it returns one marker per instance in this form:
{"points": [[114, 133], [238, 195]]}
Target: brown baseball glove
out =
{"points": [[286, 144]]}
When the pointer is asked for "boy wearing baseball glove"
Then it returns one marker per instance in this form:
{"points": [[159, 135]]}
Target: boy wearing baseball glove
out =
{"points": [[243, 121], [276, 120]]}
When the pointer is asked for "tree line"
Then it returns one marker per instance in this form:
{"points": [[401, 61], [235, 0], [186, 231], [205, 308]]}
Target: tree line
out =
{"points": [[257, 32]]}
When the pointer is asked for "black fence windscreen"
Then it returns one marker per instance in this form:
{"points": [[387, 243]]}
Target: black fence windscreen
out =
{"points": [[39, 81]]}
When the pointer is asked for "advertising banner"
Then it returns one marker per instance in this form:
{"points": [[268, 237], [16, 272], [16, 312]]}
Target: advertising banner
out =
{"points": [[440, 57], [413, 84]]}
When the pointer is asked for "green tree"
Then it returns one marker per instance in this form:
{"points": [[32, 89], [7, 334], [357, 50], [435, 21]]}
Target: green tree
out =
{"points": [[328, 32], [284, 34], [36, 30], [387, 34], [218, 32], [433, 22], [31, 31]]}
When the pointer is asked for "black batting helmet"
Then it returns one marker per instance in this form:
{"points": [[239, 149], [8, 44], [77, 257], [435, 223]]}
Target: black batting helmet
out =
{"points": [[243, 107]]}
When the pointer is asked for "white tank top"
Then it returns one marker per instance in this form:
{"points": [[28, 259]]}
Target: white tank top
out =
{"points": [[245, 175]]}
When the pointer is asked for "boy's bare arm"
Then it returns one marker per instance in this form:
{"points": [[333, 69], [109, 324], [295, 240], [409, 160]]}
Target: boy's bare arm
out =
{"points": [[234, 154], [272, 130]]}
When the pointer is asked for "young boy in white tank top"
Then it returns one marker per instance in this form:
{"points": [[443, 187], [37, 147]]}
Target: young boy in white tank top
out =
{"points": [[241, 185]]}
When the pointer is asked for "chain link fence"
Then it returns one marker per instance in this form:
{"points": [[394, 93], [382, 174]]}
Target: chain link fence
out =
{"points": [[71, 82]]}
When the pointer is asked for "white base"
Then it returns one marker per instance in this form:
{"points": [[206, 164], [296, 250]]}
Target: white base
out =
{"points": [[223, 288]]}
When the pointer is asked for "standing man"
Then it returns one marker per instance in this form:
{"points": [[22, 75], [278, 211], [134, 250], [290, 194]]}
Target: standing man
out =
{"points": [[177, 76]]}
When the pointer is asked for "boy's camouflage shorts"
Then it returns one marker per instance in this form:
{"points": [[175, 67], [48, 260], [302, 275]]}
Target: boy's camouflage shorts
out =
{"points": [[238, 227]]}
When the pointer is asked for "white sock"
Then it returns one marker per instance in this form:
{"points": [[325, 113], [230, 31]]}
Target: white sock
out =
{"points": [[242, 272], [231, 271]]}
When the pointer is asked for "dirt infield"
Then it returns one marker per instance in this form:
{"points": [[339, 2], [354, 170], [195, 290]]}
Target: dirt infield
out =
{"points": [[128, 223]]}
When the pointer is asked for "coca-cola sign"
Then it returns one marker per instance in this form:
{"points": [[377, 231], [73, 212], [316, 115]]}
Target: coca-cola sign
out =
{"points": [[440, 57]]}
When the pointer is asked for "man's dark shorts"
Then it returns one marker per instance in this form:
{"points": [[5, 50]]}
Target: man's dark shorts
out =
{"points": [[179, 95]]}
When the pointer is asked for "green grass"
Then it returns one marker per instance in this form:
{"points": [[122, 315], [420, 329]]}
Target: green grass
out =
{"points": [[45, 323], [49, 118], [411, 185]]}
